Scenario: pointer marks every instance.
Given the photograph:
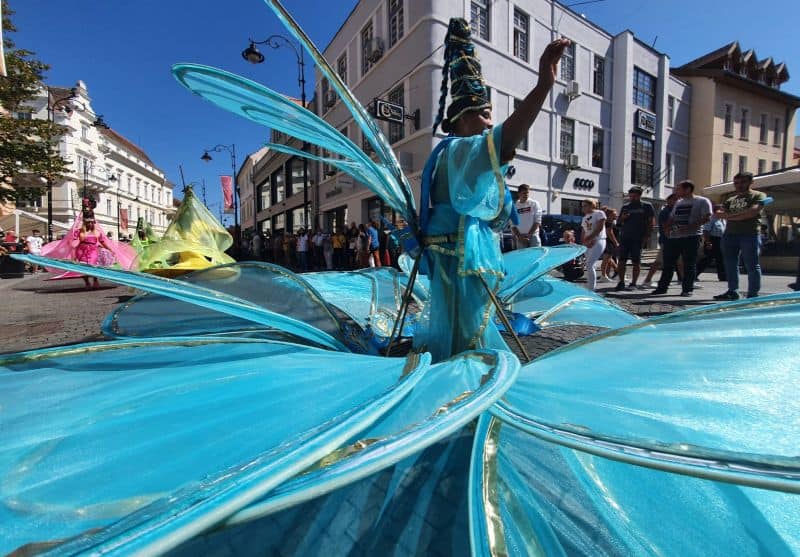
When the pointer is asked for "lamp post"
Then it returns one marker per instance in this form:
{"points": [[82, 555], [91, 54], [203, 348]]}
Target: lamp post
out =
{"points": [[254, 56], [207, 158], [52, 106]]}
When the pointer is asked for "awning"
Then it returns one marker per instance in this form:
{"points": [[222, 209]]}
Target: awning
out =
{"points": [[23, 223], [782, 185]]}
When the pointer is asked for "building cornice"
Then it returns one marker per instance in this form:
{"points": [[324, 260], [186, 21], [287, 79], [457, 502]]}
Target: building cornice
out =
{"points": [[735, 80]]}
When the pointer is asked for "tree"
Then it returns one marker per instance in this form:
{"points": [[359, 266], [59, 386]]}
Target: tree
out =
{"points": [[27, 146]]}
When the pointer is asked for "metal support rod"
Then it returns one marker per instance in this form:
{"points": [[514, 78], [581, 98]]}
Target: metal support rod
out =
{"points": [[401, 316], [504, 318]]}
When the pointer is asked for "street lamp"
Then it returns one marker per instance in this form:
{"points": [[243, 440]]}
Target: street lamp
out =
{"points": [[207, 158], [52, 106], [254, 56]]}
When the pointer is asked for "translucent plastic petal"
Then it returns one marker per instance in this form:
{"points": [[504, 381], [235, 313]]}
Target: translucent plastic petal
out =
{"points": [[709, 392], [204, 297], [370, 128], [267, 286], [586, 310], [529, 497], [525, 265], [449, 395], [169, 438]]}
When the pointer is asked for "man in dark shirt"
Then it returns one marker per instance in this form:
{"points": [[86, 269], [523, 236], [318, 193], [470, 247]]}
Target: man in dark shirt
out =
{"points": [[636, 218]]}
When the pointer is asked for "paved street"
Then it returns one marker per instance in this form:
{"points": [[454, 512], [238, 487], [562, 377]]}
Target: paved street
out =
{"points": [[38, 313]]}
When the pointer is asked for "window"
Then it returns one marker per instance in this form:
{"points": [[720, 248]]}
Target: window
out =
{"points": [[642, 160], [366, 45], [670, 111], [571, 207], [108, 206], [776, 141], [599, 81], [568, 63], [521, 26], [295, 176], [644, 90], [597, 147], [775, 165], [328, 99], [479, 18], [23, 115], [130, 184], [523, 145], [762, 130], [297, 217], [395, 21], [85, 132], [744, 131], [729, 120], [397, 131], [279, 221], [762, 166], [278, 189], [742, 164], [341, 67], [264, 196], [567, 137], [727, 160], [668, 169]]}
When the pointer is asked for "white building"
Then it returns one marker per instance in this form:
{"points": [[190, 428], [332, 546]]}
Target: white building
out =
{"points": [[615, 116], [105, 166]]}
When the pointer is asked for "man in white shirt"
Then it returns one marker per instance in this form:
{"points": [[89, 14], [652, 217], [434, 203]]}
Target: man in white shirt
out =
{"points": [[34, 245], [526, 233]]}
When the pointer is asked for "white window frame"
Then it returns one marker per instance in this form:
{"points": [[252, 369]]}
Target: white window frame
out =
{"points": [[522, 34], [481, 10], [396, 15], [745, 120], [727, 120]]}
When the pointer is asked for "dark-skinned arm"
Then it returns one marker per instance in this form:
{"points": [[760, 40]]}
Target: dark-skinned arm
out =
{"points": [[516, 126]]}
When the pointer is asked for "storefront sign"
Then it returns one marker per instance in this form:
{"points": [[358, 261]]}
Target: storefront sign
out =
{"points": [[645, 121], [390, 112]]}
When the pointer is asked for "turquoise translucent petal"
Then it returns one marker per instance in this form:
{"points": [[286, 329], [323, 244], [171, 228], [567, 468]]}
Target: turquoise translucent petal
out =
{"points": [[362, 118], [449, 395], [205, 297], [354, 169], [234, 419], [546, 292], [526, 265], [708, 392], [264, 106], [586, 310], [530, 497]]}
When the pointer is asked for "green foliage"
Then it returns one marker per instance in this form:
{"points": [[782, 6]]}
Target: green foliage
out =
{"points": [[26, 146]]}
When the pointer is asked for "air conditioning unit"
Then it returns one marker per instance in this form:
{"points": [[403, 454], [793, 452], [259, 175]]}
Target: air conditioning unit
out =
{"points": [[374, 49], [573, 89], [330, 99], [572, 161]]}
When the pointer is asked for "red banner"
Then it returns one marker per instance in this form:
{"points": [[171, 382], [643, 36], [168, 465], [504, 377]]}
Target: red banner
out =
{"points": [[227, 193], [123, 219]]}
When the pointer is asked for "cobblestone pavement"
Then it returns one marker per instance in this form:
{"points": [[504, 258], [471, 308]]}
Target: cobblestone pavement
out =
{"points": [[38, 313]]}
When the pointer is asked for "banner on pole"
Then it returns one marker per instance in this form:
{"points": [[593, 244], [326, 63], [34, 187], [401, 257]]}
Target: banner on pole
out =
{"points": [[227, 193], [123, 219]]}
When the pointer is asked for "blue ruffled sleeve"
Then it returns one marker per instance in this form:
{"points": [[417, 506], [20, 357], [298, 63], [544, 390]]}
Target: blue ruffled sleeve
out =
{"points": [[476, 184]]}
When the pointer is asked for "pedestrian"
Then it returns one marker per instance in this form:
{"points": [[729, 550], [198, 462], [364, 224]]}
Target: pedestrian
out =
{"points": [[658, 263], [526, 234], [742, 214], [609, 262], [465, 202], [362, 247], [327, 251], [255, 246], [373, 245], [33, 244], [593, 236], [317, 240], [636, 219], [302, 249], [572, 269], [712, 244], [339, 242], [685, 226]]}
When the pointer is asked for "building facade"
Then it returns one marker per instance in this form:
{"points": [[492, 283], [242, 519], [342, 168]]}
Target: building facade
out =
{"points": [[740, 119], [615, 117], [104, 166], [245, 185]]}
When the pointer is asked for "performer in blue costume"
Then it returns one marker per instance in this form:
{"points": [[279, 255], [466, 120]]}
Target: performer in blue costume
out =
{"points": [[465, 201]]}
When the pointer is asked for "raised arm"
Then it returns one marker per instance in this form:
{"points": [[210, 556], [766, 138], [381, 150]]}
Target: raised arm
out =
{"points": [[517, 125]]}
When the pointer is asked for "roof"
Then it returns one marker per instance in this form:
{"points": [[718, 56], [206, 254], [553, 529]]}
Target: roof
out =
{"points": [[735, 80], [782, 185], [127, 144], [712, 56]]}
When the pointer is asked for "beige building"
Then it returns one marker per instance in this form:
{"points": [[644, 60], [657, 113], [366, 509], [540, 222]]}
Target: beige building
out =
{"points": [[740, 119]]}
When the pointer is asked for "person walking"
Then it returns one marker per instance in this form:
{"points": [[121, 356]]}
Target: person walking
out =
{"points": [[526, 234], [593, 236], [685, 225], [302, 249], [742, 214], [33, 244], [658, 264], [609, 262], [713, 231], [373, 245], [636, 218]]}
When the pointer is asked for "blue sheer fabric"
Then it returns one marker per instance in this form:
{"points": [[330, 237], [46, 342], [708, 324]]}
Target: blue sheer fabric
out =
{"points": [[468, 199]]}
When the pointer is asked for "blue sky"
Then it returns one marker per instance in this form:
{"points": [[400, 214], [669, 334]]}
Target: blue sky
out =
{"points": [[123, 50]]}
